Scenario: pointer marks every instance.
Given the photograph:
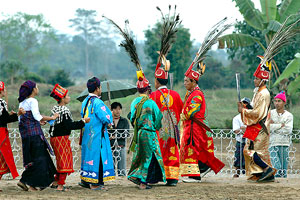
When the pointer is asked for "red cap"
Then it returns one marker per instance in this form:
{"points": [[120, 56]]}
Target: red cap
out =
{"points": [[2, 86], [58, 92], [162, 73], [262, 71], [192, 74], [142, 83]]}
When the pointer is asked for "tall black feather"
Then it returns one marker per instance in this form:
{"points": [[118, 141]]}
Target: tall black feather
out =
{"points": [[128, 42], [169, 29]]}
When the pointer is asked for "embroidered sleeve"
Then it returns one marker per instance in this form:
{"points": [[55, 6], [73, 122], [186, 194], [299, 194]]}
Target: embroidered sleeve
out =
{"points": [[103, 113], [194, 107]]}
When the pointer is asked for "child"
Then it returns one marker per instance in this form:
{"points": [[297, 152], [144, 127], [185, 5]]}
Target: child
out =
{"points": [[39, 168], [59, 132], [7, 164]]}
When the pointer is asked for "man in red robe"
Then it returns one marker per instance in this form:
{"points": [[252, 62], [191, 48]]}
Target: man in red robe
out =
{"points": [[170, 104], [197, 147]]}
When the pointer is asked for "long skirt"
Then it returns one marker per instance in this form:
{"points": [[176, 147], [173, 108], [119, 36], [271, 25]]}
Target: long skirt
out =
{"points": [[62, 149], [147, 164], [39, 168], [261, 147]]}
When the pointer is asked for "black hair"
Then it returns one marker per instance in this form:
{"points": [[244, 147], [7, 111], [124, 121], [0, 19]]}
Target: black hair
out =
{"points": [[145, 89], [162, 81], [114, 105], [93, 84], [193, 80]]}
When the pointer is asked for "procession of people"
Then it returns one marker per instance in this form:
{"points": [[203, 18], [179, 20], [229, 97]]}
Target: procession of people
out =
{"points": [[172, 139]]}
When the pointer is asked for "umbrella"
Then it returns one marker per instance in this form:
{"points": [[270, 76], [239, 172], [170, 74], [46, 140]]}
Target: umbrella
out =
{"points": [[117, 89]]}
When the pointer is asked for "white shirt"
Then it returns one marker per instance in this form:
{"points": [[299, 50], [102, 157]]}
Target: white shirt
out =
{"points": [[31, 104], [237, 124], [280, 136]]}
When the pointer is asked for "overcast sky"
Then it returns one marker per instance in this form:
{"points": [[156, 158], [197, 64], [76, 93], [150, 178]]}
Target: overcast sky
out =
{"points": [[197, 15]]}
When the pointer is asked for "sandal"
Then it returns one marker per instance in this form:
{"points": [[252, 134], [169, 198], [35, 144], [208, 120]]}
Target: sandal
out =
{"points": [[22, 185], [101, 187], [65, 189], [146, 188], [135, 181], [53, 186], [84, 185]]}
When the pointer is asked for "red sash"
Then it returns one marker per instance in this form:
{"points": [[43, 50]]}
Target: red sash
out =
{"points": [[252, 131]]}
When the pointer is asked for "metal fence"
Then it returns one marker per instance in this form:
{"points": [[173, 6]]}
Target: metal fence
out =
{"points": [[224, 143]]}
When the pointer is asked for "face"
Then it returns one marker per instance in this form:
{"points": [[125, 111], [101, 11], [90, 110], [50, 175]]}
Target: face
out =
{"points": [[188, 84], [279, 104], [35, 90], [66, 99], [117, 112], [256, 81]]}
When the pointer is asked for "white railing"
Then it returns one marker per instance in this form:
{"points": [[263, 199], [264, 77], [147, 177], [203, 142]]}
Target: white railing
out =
{"points": [[224, 142]]}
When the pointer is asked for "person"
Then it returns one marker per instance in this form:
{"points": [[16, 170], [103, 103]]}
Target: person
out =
{"points": [[7, 163], [147, 164], [170, 104], [60, 130], [196, 146], [120, 129], [39, 168], [238, 127], [257, 158], [96, 156], [281, 128]]}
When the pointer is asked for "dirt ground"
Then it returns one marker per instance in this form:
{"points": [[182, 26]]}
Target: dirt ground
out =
{"points": [[211, 187]]}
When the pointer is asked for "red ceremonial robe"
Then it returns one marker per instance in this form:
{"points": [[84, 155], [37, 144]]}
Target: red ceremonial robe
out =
{"points": [[196, 145], [166, 134]]}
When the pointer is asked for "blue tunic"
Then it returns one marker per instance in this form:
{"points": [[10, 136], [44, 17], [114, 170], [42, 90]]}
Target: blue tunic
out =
{"points": [[95, 141]]}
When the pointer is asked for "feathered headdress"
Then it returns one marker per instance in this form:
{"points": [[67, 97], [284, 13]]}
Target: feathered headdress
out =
{"points": [[281, 38], [130, 48], [210, 39], [169, 29]]}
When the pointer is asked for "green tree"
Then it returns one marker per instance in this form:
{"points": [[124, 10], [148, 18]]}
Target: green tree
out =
{"points": [[179, 55], [88, 26], [21, 36], [61, 77], [11, 70], [264, 24]]}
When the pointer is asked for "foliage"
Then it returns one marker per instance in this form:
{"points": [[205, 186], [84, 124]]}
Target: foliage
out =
{"points": [[34, 77], [21, 36], [260, 26], [179, 55], [11, 70], [61, 77]]}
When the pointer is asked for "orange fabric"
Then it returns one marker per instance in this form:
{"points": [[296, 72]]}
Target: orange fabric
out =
{"points": [[7, 163], [63, 153]]}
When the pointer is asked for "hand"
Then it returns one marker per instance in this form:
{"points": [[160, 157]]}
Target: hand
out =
{"points": [[55, 116], [87, 120], [12, 112], [43, 123], [240, 107], [109, 126], [243, 128], [272, 122], [21, 111], [282, 125]]}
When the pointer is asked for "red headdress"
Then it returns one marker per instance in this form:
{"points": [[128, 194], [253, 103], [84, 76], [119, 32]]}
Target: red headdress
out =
{"points": [[2, 86], [263, 70], [58, 92], [210, 39]]}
